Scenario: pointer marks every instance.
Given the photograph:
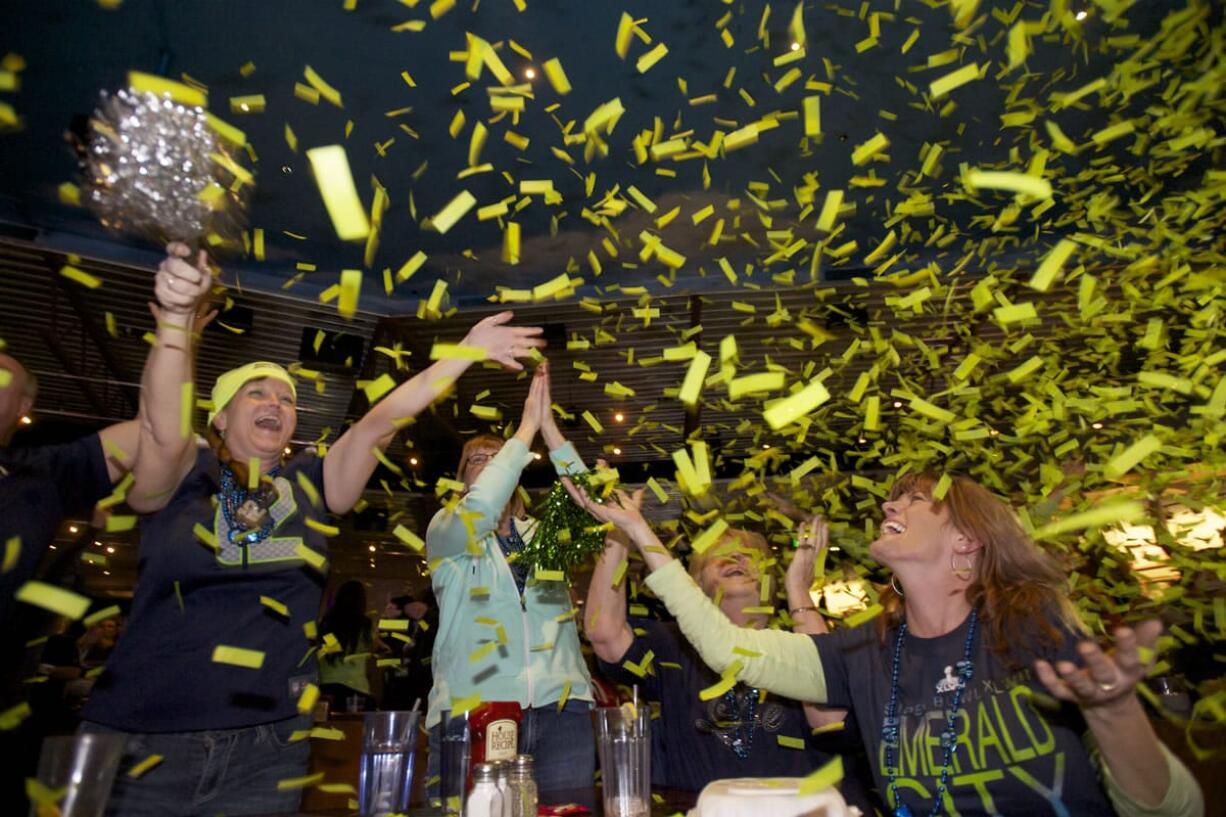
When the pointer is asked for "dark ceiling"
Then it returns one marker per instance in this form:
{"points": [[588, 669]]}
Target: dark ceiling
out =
{"points": [[76, 49]]}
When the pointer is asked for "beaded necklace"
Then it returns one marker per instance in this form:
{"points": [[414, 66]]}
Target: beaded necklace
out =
{"points": [[233, 497], [742, 738], [889, 726]]}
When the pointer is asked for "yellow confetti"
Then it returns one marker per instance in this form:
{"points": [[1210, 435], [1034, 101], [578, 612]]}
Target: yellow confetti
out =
{"points": [[101, 615], [1015, 182], [781, 413], [238, 656], [454, 210], [56, 599], [956, 79], [145, 765], [1130, 457], [330, 166], [12, 550], [829, 774], [557, 76], [80, 276]]}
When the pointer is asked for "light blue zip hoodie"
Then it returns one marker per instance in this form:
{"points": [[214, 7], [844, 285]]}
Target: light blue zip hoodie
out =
{"points": [[539, 650]]}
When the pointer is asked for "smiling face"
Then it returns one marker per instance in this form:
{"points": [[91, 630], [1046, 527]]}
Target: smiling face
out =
{"points": [[259, 420], [732, 565], [916, 530], [475, 462]]}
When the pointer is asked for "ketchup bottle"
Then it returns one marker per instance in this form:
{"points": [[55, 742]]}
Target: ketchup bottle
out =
{"points": [[494, 727]]}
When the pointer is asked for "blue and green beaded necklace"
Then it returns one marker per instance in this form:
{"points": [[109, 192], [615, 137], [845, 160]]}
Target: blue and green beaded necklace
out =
{"points": [[889, 726]]}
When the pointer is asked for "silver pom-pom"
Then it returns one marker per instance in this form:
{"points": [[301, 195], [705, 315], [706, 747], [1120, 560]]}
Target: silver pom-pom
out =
{"points": [[155, 168]]}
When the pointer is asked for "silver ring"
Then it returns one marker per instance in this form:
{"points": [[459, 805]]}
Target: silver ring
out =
{"points": [[1111, 687]]}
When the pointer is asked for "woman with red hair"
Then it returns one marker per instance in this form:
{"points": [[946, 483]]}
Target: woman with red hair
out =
{"points": [[946, 686]]}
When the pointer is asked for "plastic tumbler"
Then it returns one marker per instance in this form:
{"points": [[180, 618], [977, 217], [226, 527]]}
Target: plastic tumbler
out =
{"points": [[455, 747], [83, 766], [386, 780], [623, 740]]}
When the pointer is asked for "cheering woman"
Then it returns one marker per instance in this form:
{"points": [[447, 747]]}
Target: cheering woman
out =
{"points": [[947, 686], [216, 663]]}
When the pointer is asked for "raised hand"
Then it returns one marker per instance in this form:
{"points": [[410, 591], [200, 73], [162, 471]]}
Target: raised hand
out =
{"points": [[504, 344], [538, 395], [178, 286], [624, 510], [812, 537], [1104, 678]]}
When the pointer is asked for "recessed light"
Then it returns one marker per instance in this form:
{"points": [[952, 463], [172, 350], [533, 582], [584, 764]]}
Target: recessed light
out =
{"points": [[412, 460], [73, 529], [530, 73], [619, 417], [795, 46], [25, 421], [616, 450], [1081, 15], [1096, 425]]}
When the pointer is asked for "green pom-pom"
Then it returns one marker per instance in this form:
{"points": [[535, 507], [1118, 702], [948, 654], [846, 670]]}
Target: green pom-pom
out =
{"points": [[566, 536]]}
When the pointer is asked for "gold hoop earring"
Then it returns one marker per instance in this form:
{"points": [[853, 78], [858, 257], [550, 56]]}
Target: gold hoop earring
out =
{"points": [[894, 585], [963, 573]]}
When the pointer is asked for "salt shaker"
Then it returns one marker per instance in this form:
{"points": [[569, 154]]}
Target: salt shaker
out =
{"points": [[502, 776], [523, 788], [484, 799]]}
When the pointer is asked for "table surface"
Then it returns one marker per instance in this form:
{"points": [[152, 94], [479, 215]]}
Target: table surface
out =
{"points": [[665, 802]]}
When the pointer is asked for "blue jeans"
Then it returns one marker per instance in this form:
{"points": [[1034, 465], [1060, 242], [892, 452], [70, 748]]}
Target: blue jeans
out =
{"points": [[224, 771], [563, 749]]}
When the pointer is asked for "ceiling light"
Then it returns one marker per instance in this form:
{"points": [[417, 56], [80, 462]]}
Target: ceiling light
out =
{"points": [[288, 451], [616, 450], [530, 73], [110, 550], [106, 573], [619, 417], [862, 440], [73, 528], [25, 421], [835, 547], [1081, 15], [795, 46], [1096, 425], [412, 460], [897, 404], [536, 455], [766, 446], [372, 548]]}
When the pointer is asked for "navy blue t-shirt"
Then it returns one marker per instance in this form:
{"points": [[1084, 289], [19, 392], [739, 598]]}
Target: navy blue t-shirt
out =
{"points": [[190, 598], [1013, 755], [40, 487], [692, 740]]}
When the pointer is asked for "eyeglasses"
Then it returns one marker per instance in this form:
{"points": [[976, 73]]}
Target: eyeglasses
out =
{"points": [[479, 459]]}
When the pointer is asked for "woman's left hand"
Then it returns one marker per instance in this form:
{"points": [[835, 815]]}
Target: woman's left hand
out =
{"points": [[812, 537], [1105, 678]]}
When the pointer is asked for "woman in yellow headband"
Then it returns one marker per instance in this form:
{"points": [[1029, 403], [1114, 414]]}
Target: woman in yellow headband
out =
{"points": [[218, 663]]}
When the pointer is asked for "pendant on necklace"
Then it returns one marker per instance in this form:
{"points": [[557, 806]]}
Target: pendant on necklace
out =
{"points": [[902, 811], [251, 515]]}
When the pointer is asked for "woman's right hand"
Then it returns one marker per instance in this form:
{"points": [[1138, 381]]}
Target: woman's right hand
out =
{"points": [[538, 396], [179, 286]]}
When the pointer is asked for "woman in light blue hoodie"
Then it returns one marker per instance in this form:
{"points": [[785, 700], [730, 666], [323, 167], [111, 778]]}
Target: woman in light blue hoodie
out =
{"points": [[486, 598]]}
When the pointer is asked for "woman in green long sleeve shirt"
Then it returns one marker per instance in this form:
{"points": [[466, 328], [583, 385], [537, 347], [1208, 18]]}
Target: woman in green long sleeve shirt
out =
{"points": [[945, 686]]}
